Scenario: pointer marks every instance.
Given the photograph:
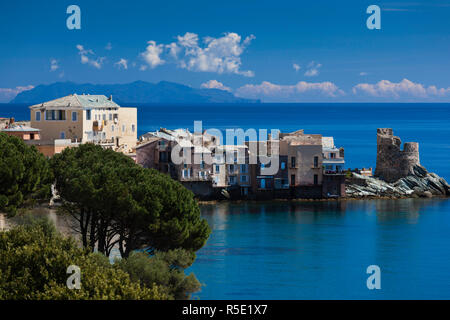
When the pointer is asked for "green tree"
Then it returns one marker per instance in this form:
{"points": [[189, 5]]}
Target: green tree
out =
{"points": [[165, 269], [117, 202], [34, 260], [25, 175]]}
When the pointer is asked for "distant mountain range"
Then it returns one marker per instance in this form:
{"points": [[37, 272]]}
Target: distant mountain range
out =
{"points": [[135, 92]]}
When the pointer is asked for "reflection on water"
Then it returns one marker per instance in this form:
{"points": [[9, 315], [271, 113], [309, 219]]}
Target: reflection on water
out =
{"points": [[321, 249]]}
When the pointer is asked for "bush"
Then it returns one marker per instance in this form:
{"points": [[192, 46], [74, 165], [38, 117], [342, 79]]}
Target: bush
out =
{"points": [[165, 269], [34, 259]]}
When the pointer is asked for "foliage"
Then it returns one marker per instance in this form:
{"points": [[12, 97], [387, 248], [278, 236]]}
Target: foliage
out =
{"points": [[24, 174], [165, 269], [34, 260], [118, 202]]}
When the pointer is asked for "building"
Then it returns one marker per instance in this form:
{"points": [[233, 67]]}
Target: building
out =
{"points": [[333, 184], [194, 164], [87, 118], [297, 165], [23, 132]]}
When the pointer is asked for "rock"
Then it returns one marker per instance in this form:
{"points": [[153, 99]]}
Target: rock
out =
{"points": [[420, 183], [428, 194]]}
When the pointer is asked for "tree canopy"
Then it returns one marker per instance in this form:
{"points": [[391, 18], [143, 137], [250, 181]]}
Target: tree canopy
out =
{"points": [[117, 202], [33, 265], [24, 174]]}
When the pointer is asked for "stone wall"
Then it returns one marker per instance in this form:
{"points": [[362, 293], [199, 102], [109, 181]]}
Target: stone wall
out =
{"points": [[394, 163]]}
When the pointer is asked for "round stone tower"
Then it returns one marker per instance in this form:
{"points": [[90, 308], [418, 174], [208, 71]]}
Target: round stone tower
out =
{"points": [[392, 162]]}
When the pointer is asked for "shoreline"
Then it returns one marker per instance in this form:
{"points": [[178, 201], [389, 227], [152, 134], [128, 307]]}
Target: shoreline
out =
{"points": [[239, 201]]}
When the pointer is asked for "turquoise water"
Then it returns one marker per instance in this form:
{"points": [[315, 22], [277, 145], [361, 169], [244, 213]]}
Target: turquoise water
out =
{"points": [[320, 250]]}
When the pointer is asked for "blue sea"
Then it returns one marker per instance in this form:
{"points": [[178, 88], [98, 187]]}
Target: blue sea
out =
{"points": [[321, 250]]}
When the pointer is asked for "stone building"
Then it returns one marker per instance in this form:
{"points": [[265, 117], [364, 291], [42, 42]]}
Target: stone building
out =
{"points": [[394, 163], [87, 118]]}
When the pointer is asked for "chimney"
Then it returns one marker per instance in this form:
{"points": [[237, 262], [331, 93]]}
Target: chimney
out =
{"points": [[110, 98], [11, 121]]}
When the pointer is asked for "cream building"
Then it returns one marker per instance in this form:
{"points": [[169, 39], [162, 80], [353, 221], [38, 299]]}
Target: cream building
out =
{"points": [[87, 118]]}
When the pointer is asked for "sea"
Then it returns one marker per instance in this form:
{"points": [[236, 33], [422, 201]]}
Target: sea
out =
{"points": [[322, 249]]}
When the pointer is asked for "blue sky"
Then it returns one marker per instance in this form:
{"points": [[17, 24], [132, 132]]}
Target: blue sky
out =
{"points": [[273, 50]]}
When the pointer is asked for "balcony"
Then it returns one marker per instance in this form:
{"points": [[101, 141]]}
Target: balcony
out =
{"points": [[334, 172]]}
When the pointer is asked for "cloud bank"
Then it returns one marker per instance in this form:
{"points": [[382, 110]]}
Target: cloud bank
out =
{"points": [[302, 91], [214, 84], [400, 90], [7, 94]]}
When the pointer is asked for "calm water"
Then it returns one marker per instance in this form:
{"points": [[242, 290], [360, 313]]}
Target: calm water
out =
{"points": [[320, 250]]}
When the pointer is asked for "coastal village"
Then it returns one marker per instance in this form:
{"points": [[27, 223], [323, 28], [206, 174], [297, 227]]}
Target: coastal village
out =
{"points": [[309, 166]]}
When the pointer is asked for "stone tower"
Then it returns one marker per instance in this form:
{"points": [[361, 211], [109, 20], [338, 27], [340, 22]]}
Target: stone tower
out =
{"points": [[392, 162]]}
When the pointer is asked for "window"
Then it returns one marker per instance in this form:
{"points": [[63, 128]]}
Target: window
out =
{"points": [[51, 115], [38, 116], [293, 162], [244, 179], [110, 117], [243, 168], [263, 183], [133, 128], [62, 135], [104, 117], [332, 155], [316, 162], [217, 168], [123, 128], [202, 165], [231, 168], [74, 116], [283, 165], [88, 115], [316, 178], [112, 128], [232, 179], [31, 136], [292, 179]]}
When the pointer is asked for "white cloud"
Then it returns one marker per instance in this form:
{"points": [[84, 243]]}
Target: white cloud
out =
{"points": [[152, 54], [122, 63], [363, 73], [402, 89], [84, 54], [53, 65], [6, 94], [313, 69], [296, 67], [301, 91], [108, 46], [219, 55], [214, 84]]}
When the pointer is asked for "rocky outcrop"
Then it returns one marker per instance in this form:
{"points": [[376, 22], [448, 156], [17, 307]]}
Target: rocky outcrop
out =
{"points": [[419, 183]]}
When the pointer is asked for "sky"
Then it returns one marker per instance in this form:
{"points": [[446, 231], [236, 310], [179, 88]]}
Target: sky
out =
{"points": [[276, 51]]}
